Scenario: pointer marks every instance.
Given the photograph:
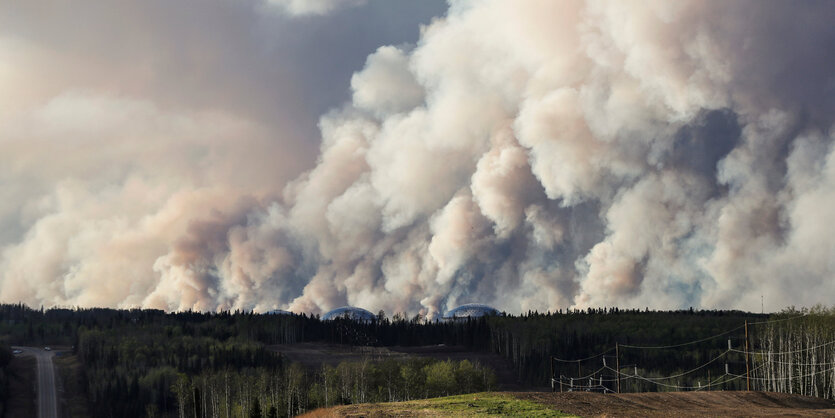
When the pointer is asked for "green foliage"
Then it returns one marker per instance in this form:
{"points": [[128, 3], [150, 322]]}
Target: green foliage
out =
{"points": [[472, 405], [293, 390], [440, 378]]}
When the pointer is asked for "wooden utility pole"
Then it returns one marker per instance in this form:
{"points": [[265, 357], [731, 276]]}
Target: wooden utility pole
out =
{"points": [[747, 367], [617, 364]]}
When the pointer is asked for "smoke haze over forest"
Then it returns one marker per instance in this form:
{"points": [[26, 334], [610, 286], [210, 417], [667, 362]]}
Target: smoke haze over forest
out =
{"points": [[414, 156]]}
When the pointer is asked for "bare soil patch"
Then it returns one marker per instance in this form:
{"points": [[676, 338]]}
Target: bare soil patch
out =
{"points": [[684, 404], [585, 404]]}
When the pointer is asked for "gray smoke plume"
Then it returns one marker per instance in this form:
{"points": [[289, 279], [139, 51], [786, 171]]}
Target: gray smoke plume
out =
{"points": [[532, 155]]}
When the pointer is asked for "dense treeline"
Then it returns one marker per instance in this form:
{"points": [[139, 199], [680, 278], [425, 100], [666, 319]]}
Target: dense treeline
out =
{"points": [[61, 327], [531, 340], [126, 372], [134, 361], [5, 359], [137, 362], [260, 393]]}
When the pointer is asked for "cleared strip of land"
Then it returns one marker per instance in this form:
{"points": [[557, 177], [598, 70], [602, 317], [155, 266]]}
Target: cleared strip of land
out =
{"points": [[679, 404]]}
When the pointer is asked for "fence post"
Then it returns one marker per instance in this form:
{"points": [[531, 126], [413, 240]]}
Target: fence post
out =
{"points": [[553, 387], [747, 367], [617, 364]]}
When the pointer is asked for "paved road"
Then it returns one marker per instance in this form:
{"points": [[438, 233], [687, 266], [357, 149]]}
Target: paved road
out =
{"points": [[47, 399]]}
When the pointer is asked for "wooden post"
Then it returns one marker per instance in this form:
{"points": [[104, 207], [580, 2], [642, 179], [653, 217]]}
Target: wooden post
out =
{"points": [[617, 364], [725, 381], [747, 366], [553, 387]]}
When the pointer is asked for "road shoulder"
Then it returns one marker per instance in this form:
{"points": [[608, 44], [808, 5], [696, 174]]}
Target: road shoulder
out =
{"points": [[22, 401]]}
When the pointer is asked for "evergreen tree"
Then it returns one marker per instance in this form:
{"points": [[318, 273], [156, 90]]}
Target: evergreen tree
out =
{"points": [[255, 408]]}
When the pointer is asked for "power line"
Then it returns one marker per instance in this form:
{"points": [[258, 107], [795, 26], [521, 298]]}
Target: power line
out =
{"points": [[594, 373], [713, 336], [829, 363], [771, 379], [783, 352], [667, 385], [673, 386], [691, 370], [583, 359], [599, 377], [659, 347], [774, 321]]}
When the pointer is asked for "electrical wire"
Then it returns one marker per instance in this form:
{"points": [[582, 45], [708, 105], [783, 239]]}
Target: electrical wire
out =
{"points": [[659, 347], [691, 370], [829, 363], [594, 373], [567, 378], [723, 379], [638, 377], [774, 321], [672, 386], [713, 336], [783, 352], [583, 359], [772, 379]]}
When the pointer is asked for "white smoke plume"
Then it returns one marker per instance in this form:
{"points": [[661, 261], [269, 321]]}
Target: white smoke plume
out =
{"points": [[532, 155], [312, 7]]}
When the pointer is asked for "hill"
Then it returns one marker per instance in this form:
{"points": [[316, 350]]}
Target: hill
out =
{"points": [[546, 404]]}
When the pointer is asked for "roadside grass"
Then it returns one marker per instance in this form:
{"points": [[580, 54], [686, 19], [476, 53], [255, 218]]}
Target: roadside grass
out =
{"points": [[74, 401], [21, 401], [484, 404]]}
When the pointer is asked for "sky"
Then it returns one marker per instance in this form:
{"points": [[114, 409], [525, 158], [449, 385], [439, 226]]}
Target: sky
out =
{"points": [[414, 156]]}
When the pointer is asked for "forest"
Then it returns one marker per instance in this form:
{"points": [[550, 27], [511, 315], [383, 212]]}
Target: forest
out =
{"points": [[158, 364], [5, 358]]}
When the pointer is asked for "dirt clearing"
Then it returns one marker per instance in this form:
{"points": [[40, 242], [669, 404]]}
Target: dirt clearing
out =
{"points": [[683, 404], [671, 404]]}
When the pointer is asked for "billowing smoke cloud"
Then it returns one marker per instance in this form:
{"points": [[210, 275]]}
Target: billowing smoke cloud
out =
{"points": [[313, 7], [527, 154]]}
